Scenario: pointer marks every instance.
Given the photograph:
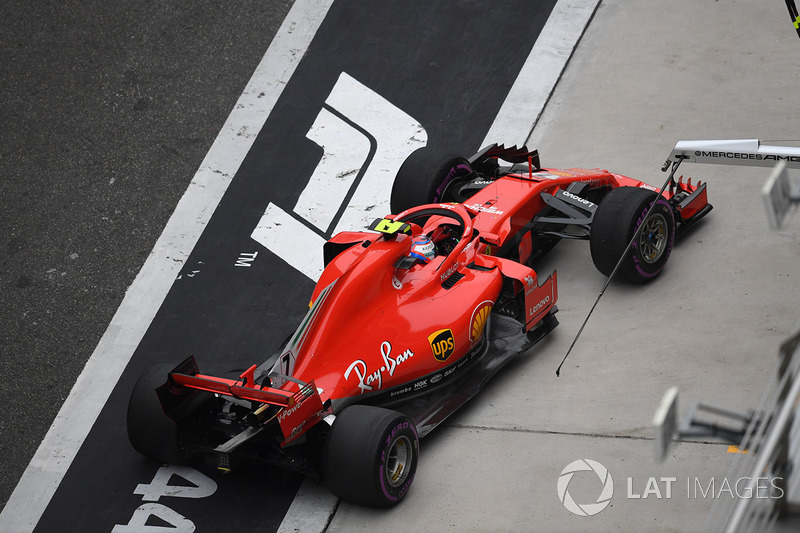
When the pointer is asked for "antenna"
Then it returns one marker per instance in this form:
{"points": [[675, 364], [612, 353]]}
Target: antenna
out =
{"points": [[636, 233]]}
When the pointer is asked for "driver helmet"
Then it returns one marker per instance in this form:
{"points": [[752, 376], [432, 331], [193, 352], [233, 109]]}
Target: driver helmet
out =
{"points": [[422, 249]]}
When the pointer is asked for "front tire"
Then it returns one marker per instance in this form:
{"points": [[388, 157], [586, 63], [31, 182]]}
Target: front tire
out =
{"points": [[618, 216], [371, 456]]}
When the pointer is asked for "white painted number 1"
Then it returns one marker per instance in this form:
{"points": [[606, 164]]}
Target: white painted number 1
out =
{"points": [[362, 136]]}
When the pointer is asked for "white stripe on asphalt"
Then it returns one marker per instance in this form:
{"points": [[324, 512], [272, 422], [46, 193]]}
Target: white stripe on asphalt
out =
{"points": [[539, 75], [148, 291]]}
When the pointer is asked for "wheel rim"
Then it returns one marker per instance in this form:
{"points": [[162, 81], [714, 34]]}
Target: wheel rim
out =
{"points": [[398, 461], [653, 238]]}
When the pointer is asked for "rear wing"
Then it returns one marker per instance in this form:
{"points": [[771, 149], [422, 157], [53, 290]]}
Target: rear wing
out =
{"points": [[300, 410]]}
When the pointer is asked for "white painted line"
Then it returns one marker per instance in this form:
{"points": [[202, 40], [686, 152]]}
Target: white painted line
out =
{"points": [[538, 78], [397, 136], [346, 151], [149, 289], [311, 509], [289, 239]]}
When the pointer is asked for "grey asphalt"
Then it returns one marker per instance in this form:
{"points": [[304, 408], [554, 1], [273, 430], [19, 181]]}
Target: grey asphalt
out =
{"points": [[108, 109]]}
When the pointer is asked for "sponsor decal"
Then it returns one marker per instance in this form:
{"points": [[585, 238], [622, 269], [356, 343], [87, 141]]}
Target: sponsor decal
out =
{"points": [[593, 182], [302, 407], [648, 187], [479, 317], [536, 308], [577, 198], [753, 157], [288, 412], [371, 380], [449, 272], [577, 171], [396, 283], [442, 344], [398, 392], [484, 208], [422, 384], [296, 432], [530, 285]]}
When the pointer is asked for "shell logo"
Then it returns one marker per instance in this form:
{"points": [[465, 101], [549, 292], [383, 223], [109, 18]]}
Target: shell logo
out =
{"points": [[479, 317]]}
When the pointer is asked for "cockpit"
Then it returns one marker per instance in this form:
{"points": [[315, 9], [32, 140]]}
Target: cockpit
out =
{"points": [[438, 234]]}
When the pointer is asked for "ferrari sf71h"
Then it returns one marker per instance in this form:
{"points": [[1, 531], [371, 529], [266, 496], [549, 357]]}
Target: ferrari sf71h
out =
{"points": [[410, 318]]}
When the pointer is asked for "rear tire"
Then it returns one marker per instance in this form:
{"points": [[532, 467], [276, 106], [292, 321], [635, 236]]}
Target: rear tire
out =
{"points": [[371, 456], [150, 431], [421, 176], [618, 216]]}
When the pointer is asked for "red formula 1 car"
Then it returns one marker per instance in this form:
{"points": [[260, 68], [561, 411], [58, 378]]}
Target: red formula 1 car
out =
{"points": [[409, 320]]}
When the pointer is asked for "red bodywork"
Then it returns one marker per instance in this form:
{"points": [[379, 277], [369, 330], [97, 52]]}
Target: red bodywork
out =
{"points": [[373, 328]]}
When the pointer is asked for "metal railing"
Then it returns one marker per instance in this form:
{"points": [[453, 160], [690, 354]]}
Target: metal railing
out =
{"points": [[768, 486]]}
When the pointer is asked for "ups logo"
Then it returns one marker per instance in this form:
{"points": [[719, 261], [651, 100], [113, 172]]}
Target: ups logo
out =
{"points": [[442, 344]]}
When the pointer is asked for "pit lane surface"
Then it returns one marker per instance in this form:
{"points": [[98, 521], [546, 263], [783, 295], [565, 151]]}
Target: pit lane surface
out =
{"points": [[643, 77]]}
